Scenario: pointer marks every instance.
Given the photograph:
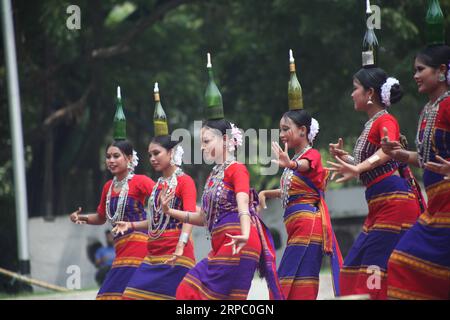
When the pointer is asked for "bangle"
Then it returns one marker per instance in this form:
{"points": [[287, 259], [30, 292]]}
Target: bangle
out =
{"points": [[295, 164], [245, 213], [186, 218], [184, 237]]}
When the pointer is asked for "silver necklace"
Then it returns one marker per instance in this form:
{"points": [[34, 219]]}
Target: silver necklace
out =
{"points": [[157, 219], [429, 114], [212, 192], [361, 142], [121, 203], [286, 178]]}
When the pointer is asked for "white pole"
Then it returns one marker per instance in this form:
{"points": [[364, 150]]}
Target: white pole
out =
{"points": [[20, 187]]}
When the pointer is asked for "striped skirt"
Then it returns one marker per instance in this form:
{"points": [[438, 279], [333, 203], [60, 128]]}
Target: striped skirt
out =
{"points": [[300, 265], [130, 251], [155, 280], [393, 209], [222, 275], [419, 267]]}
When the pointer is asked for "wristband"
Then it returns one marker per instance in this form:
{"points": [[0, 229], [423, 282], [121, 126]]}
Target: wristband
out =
{"points": [[184, 237]]}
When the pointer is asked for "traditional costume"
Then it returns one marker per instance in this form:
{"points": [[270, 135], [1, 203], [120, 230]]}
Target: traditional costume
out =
{"points": [[394, 201], [307, 221], [155, 279], [223, 275], [126, 205], [419, 267]]}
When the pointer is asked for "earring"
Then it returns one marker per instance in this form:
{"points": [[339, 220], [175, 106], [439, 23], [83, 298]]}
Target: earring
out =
{"points": [[129, 166], [302, 134], [370, 101], [441, 77]]}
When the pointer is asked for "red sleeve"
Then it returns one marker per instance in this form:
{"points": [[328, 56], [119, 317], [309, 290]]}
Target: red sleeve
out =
{"points": [[145, 185], [314, 158], [376, 132], [443, 119], [239, 178], [101, 208], [187, 192]]}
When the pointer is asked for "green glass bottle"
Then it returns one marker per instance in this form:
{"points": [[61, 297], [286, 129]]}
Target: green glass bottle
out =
{"points": [[370, 43], [295, 94], [159, 117], [120, 123], [213, 98], [434, 23]]}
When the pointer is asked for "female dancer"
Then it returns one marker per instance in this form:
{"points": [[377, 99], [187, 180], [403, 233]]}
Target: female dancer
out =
{"points": [[122, 199], [392, 197], [306, 215], [419, 267], [170, 249], [228, 211]]}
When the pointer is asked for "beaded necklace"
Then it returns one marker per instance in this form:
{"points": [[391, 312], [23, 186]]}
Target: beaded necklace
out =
{"points": [[211, 194], [361, 142], [157, 219], [286, 178], [429, 114], [121, 203]]}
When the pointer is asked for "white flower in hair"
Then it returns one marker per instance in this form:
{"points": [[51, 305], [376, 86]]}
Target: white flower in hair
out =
{"points": [[386, 90], [313, 130], [236, 138], [134, 160], [178, 155]]}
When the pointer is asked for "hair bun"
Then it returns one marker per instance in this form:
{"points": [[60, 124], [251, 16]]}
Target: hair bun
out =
{"points": [[396, 93]]}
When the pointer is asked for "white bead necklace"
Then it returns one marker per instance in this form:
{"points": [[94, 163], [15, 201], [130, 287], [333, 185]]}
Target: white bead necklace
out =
{"points": [[121, 203], [157, 219], [286, 178]]}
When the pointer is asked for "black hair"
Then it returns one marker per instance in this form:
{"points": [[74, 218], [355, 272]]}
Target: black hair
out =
{"points": [[124, 145], [166, 141], [222, 125], [434, 56], [300, 117], [375, 78]]}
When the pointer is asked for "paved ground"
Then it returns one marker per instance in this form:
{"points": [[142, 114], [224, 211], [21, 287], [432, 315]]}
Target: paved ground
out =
{"points": [[258, 291]]}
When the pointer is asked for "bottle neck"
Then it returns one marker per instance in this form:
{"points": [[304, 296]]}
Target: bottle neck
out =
{"points": [[292, 68]]}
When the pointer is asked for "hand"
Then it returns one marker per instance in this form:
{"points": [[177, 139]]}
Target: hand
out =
{"points": [[441, 168], [75, 217], [337, 149], [283, 159], [262, 201], [238, 242], [178, 253], [391, 148], [348, 171], [165, 199], [121, 227]]}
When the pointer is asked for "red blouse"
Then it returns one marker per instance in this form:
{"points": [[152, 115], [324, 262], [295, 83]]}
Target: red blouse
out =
{"points": [[376, 132], [316, 173], [140, 187], [238, 177], [186, 191]]}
